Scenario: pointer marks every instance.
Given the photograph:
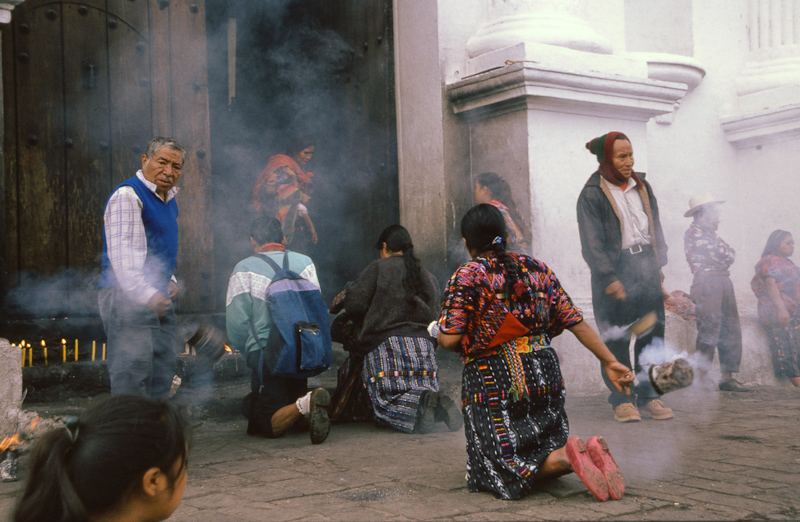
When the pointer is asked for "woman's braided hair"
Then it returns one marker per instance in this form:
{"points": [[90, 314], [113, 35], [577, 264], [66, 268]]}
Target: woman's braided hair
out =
{"points": [[397, 239], [484, 229]]}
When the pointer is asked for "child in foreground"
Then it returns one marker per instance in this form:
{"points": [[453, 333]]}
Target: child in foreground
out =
{"points": [[123, 460]]}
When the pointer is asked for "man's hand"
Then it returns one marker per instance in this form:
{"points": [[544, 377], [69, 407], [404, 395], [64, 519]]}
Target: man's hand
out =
{"points": [[620, 376], [159, 304], [172, 289], [616, 290]]}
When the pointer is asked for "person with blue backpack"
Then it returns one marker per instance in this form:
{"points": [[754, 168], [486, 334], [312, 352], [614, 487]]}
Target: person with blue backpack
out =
{"points": [[276, 317]]}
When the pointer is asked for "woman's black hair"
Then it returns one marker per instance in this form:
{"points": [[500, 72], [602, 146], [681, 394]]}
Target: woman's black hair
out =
{"points": [[484, 230], [398, 239], [298, 143], [90, 469], [772, 247], [501, 191]]}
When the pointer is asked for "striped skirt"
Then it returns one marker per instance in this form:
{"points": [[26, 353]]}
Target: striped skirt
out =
{"points": [[508, 441], [395, 374]]}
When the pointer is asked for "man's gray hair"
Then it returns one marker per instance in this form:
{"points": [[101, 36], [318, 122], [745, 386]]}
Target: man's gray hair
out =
{"points": [[160, 141]]}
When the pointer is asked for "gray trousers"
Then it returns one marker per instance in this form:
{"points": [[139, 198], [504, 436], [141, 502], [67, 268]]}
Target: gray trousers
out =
{"points": [[141, 346], [717, 320]]}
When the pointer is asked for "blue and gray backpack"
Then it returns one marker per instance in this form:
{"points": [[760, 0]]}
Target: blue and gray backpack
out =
{"points": [[299, 343]]}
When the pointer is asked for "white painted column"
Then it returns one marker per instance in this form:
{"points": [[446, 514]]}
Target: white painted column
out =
{"points": [[767, 107], [419, 127]]}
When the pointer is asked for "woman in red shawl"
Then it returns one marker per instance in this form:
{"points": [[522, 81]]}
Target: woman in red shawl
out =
{"points": [[284, 189]]}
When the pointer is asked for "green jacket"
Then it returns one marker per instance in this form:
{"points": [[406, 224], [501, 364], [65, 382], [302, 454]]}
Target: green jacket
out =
{"points": [[247, 289]]}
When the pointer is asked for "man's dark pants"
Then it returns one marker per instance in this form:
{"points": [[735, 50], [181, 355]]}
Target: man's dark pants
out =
{"points": [[141, 346], [265, 400], [717, 320], [641, 276]]}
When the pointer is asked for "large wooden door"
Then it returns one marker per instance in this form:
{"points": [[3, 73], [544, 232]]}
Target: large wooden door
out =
{"points": [[86, 85]]}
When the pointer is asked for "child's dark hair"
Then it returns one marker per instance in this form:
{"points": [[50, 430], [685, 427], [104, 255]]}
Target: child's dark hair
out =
{"points": [[484, 230], [398, 239], [501, 191], [266, 229], [91, 468]]}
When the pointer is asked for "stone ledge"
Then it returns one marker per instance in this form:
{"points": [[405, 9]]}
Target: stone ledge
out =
{"points": [[531, 86]]}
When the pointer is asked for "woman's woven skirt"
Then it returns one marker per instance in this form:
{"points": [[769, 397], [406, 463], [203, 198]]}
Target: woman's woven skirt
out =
{"points": [[395, 374], [508, 441], [785, 345]]}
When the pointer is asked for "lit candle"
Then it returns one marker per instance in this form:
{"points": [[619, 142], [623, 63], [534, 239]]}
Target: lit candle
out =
{"points": [[44, 349], [92, 352], [76, 350], [30, 355], [63, 350], [104, 351]]}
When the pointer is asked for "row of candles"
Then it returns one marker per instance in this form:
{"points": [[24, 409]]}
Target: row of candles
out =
{"points": [[27, 351]]}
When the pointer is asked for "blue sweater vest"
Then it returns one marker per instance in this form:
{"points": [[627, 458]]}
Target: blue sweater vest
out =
{"points": [[161, 230]]}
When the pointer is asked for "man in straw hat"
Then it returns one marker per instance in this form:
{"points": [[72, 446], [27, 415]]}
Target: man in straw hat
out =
{"points": [[709, 258], [623, 244]]}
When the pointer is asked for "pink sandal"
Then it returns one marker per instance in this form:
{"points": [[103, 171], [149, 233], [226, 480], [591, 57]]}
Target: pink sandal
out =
{"points": [[586, 470], [601, 456]]}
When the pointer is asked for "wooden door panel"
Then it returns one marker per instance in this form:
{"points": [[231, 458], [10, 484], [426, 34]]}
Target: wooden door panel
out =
{"points": [[88, 160], [191, 126], [40, 132], [134, 13], [129, 94]]}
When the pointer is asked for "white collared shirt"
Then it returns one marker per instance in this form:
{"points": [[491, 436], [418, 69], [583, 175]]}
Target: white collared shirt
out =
{"points": [[635, 227], [126, 241]]}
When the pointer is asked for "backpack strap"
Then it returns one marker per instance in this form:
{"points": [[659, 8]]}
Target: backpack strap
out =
{"points": [[272, 263]]}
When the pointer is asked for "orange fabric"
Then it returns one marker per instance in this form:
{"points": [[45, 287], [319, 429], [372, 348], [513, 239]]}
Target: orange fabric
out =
{"points": [[510, 329], [267, 179]]}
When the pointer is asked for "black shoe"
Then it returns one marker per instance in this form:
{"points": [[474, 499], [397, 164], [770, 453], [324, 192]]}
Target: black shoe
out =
{"points": [[320, 423], [732, 385], [426, 412], [448, 413]]}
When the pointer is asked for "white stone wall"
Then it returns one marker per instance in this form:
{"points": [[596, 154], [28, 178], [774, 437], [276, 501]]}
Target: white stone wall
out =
{"points": [[692, 154]]}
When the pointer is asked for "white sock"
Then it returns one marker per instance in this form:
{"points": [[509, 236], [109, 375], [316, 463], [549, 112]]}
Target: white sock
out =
{"points": [[304, 404]]}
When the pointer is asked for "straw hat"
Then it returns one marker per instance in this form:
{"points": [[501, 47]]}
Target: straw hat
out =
{"points": [[698, 201]]}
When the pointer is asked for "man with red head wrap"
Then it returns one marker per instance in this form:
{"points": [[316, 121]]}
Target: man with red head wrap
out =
{"points": [[623, 244]]}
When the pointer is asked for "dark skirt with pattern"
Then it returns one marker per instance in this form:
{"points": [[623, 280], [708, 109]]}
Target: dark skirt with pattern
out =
{"points": [[395, 374], [507, 442], [785, 345]]}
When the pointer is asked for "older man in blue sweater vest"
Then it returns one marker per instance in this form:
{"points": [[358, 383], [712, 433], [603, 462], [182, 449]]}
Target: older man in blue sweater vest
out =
{"points": [[140, 249]]}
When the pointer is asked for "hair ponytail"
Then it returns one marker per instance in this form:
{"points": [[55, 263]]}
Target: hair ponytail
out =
{"points": [[397, 239], [49, 493]]}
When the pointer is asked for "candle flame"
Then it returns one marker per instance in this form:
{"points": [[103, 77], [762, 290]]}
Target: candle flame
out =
{"points": [[228, 349], [42, 342], [8, 441]]}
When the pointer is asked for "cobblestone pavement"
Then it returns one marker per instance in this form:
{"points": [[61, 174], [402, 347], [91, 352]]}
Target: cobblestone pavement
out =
{"points": [[725, 456]]}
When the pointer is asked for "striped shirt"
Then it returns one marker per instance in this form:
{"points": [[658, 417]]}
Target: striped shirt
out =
{"points": [[126, 241]]}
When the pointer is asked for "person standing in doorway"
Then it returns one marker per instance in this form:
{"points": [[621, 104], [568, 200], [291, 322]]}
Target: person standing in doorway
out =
{"points": [[623, 244], [137, 285]]}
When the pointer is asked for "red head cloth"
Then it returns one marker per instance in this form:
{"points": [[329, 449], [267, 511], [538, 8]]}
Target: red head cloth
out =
{"points": [[602, 147]]}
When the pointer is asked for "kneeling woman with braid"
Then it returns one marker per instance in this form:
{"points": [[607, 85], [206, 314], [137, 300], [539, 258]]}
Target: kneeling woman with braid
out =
{"points": [[500, 312], [394, 299], [123, 460]]}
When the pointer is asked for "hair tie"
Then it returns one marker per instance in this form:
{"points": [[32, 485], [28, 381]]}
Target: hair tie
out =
{"points": [[71, 425], [497, 240]]}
